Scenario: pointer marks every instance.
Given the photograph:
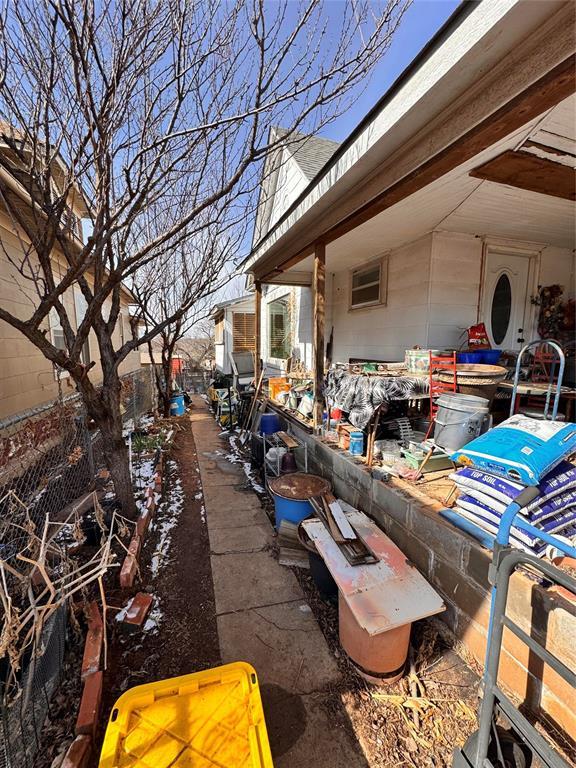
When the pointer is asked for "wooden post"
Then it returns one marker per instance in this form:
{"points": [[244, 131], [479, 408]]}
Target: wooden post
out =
{"points": [[257, 329], [319, 284]]}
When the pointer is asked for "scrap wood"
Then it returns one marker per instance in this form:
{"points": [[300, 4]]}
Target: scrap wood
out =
{"points": [[294, 557], [339, 517]]}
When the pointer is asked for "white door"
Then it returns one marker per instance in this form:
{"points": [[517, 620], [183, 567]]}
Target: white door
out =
{"points": [[505, 299]]}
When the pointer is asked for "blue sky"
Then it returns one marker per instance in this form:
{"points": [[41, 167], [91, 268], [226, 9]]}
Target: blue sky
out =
{"points": [[421, 21]]}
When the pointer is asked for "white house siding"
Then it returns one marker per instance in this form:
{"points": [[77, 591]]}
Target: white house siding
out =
{"points": [[385, 332], [456, 263], [289, 184], [434, 287]]}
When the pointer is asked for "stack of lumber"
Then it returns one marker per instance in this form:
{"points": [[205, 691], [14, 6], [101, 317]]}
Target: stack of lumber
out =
{"points": [[355, 551]]}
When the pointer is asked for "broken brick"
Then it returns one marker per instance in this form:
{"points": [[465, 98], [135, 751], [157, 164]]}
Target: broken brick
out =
{"points": [[78, 753], [87, 721], [128, 571], [93, 643], [138, 610]]}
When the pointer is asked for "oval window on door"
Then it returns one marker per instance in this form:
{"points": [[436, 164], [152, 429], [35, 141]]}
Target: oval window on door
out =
{"points": [[501, 308]]}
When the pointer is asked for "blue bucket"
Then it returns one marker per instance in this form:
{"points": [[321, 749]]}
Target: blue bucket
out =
{"points": [[177, 405], [269, 423], [292, 494]]}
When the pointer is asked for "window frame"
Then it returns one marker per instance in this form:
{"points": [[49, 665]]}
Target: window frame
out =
{"points": [[382, 264], [55, 325], [288, 330]]}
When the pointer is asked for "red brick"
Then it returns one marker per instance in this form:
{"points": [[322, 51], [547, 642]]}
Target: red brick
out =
{"points": [[135, 545], [138, 609], [143, 522], [93, 643], [158, 481], [78, 754], [87, 721], [128, 571]]}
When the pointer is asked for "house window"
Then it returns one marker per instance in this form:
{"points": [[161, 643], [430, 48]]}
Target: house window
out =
{"points": [[243, 331], [279, 345], [58, 340], [81, 307], [369, 284]]}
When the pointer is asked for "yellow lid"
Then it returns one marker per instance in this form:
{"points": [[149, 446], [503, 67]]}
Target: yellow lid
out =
{"points": [[209, 718]]}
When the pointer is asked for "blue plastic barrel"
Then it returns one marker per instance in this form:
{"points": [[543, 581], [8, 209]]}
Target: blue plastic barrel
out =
{"points": [[177, 405], [291, 494], [269, 423]]}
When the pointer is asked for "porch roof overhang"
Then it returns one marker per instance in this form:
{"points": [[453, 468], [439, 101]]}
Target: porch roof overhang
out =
{"points": [[483, 88]]}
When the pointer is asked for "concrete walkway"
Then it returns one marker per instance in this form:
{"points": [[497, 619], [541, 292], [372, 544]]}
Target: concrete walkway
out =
{"points": [[263, 617]]}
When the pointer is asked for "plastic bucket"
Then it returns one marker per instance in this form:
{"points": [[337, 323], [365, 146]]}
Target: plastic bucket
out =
{"points": [[291, 494], [177, 405], [356, 443], [459, 420], [269, 423]]}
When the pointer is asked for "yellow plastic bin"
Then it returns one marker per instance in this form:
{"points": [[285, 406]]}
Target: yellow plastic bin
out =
{"points": [[209, 718]]}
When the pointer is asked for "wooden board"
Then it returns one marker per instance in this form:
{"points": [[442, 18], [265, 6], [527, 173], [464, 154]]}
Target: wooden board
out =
{"points": [[287, 439], [340, 518], [383, 595], [526, 171]]}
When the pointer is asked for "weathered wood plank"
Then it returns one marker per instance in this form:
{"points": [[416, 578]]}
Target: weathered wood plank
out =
{"points": [[319, 287]]}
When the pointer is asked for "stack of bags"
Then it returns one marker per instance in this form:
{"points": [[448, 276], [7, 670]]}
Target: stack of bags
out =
{"points": [[484, 497], [501, 463]]}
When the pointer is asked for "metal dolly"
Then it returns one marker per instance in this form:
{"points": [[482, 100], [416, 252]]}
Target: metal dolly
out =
{"points": [[491, 746], [562, 360]]}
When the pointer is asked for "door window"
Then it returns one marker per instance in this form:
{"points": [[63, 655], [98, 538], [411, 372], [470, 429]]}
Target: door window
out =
{"points": [[501, 308]]}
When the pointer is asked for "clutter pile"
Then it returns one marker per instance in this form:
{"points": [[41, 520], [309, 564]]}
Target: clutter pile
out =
{"points": [[499, 464]]}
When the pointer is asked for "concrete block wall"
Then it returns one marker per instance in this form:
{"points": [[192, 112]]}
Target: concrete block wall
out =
{"points": [[457, 566]]}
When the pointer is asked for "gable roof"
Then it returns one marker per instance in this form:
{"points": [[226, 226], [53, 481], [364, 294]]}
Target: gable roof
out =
{"points": [[310, 152]]}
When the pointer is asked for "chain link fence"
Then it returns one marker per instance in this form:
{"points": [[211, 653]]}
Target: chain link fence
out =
{"points": [[49, 458]]}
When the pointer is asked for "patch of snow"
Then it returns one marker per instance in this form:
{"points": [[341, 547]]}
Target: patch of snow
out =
{"points": [[152, 623], [166, 519], [198, 495], [305, 608]]}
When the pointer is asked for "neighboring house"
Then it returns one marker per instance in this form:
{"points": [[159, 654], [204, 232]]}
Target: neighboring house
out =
{"points": [[27, 378], [234, 331], [287, 309], [450, 203], [189, 352]]}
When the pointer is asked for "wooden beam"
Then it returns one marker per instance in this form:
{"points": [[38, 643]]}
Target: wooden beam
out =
{"points": [[524, 170], [319, 287], [257, 328], [542, 95]]}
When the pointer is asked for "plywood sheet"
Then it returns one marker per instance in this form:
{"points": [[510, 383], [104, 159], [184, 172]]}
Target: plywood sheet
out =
{"points": [[383, 595]]}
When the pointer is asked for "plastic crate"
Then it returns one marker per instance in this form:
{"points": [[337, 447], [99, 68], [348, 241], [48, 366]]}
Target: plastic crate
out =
{"points": [[209, 718]]}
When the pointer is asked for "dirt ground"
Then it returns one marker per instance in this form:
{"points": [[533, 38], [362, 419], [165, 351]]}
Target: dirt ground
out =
{"points": [[180, 636]]}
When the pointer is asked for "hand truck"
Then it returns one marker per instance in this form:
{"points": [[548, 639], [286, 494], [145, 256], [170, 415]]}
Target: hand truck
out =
{"points": [[491, 746]]}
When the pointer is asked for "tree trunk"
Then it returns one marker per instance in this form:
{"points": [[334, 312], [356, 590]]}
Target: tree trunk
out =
{"points": [[167, 370], [103, 407]]}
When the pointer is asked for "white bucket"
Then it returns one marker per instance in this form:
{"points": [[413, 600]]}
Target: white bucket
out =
{"points": [[459, 420]]}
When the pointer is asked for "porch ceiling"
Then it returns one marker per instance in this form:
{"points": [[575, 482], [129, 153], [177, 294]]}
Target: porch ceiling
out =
{"points": [[458, 202]]}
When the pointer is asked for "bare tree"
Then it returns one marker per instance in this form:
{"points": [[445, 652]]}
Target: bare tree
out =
{"points": [[156, 112], [179, 285]]}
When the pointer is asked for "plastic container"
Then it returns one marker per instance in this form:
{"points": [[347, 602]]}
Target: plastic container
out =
{"points": [[209, 718], [277, 385], [380, 659], [291, 494], [418, 360], [480, 356], [269, 423], [459, 420], [356, 443], [322, 577], [177, 407]]}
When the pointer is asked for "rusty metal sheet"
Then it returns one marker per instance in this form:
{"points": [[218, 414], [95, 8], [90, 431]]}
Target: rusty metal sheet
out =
{"points": [[382, 595], [299, 486]]}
